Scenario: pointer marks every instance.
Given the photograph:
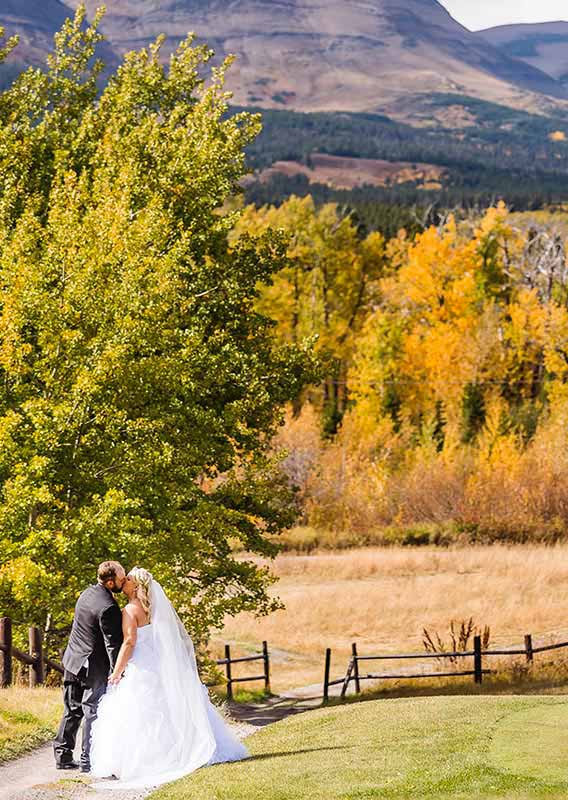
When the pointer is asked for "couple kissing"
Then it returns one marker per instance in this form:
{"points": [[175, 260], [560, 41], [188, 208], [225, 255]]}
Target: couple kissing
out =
{"points": [[131, 677]]}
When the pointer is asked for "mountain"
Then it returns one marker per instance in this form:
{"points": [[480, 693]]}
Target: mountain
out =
{"points": [[381, 56], [542, 45], [35, 21]]}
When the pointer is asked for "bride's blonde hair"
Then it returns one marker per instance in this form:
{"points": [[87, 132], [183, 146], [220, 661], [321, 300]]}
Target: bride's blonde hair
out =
{"points": [[144, 579]]}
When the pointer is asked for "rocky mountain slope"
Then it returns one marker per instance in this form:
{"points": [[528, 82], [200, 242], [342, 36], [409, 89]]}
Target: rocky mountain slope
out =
{"points": [[544, 45], [35, 21], [352, 55]]}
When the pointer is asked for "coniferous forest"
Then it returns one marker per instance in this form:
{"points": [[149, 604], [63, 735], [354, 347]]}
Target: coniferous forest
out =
{"points": [[507, 155]]}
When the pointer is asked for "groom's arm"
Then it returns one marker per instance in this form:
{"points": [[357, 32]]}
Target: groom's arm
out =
{"points": [[110, 621]]}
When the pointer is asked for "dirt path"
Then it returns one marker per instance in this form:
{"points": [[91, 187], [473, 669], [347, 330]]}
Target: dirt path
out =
{"points": [[34, 777]]}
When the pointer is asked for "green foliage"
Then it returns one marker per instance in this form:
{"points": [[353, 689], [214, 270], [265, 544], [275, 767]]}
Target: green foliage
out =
{"points": [[251, 695], [473, 411], [139, 386]]}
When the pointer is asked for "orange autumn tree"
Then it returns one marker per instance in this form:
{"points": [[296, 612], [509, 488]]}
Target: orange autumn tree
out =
{"points": [[460, 323], [458, 384]]}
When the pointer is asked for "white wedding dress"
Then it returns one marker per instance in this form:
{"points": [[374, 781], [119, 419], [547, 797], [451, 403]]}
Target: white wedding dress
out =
{"points": [[158, 723]]}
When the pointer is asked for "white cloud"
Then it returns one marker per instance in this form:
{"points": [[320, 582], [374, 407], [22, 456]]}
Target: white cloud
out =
{"points": [[476, 14]]}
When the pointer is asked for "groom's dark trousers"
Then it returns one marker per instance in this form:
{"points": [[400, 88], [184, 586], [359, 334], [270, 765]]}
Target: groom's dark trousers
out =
{"points": [[96, 637]]}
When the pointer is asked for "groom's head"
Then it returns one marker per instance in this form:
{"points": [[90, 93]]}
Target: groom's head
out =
{"points": [[111, 575]]}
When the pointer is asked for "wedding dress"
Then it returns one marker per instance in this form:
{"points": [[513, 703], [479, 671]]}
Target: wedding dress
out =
{"points": [[158, 723]]}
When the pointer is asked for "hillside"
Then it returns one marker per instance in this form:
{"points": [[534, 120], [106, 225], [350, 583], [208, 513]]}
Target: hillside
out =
{"points": [[395, 81], [303, 55], [506, 154], [348, 173], [36, 22], [543, 46]]}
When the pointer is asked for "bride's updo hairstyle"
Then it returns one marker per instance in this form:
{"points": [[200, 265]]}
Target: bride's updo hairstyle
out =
{"points": [[144, 580]]}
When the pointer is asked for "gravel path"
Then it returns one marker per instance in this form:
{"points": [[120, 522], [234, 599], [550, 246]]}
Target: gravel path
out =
{"points": [[34, 777]]}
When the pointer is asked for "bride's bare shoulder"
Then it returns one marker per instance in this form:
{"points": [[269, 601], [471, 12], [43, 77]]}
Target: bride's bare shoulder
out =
{"points": [[130, 610], [135, 611]]}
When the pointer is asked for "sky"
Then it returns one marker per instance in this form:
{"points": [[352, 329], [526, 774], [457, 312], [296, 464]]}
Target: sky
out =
{"points": [[477, 14]]}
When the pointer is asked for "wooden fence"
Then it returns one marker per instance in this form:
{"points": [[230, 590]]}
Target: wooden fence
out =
{"points": [[38, 662], [477, 671], [34, 658], [228, 662]]}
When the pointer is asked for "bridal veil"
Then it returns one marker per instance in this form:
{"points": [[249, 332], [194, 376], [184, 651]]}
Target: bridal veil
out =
{"points": [[158, 724]]}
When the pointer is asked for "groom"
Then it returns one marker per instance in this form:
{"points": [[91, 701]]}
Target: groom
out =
{"points": [[92, 650]]}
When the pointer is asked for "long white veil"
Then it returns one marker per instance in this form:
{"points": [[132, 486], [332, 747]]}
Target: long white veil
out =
{"points": [[186, 697], [176, 727]]}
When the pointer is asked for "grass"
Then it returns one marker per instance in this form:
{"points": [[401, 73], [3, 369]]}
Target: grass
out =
{"points": [[445, 747], [307, 539], [382, 598], [250, 695], [28, 717]]}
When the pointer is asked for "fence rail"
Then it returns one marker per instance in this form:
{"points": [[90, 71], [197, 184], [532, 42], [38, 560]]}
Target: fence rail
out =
{"points": [[228, 663], [34, 659], [38, 663], [354, 675]]}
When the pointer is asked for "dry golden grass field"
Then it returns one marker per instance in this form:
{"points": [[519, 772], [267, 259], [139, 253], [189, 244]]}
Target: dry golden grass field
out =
{"points": [[382, 598]]}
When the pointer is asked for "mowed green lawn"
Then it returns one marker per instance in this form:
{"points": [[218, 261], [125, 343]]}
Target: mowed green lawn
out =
{"points": [[434, 747]]}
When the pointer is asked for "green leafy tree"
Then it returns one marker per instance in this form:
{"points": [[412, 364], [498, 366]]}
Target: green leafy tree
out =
{"points": [[140, 387]]}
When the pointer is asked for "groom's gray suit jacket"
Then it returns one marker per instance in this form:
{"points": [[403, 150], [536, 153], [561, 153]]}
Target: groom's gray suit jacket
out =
{"points": [[96, 635]]}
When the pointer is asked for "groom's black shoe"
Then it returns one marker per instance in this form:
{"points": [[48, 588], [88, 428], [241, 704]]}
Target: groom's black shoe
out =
{"points": [[67, 765], [85, 768]]}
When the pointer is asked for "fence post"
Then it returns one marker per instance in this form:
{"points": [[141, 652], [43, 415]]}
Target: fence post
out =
{"points": [[36, 652], [355, 668], [228, 671], [347, 679], [46, 642], [266, 658], [326, 675], [529, 648], [477, 665], [5, 655]]}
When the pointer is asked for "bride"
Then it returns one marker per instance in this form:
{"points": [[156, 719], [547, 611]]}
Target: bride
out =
{"points": [[156, 722]]}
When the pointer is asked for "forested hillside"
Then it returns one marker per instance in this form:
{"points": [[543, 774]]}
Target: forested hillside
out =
{"points": [[503, 154], [495, 137]]}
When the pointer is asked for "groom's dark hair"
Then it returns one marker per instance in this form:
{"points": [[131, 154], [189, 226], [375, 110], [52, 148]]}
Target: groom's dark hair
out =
{"points": [[107, 571]]}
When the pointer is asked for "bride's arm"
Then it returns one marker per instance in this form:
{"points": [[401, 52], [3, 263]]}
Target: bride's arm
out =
{"points": [[129, 632]]}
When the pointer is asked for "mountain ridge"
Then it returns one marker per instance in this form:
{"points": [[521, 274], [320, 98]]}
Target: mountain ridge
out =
{"points": [[383, 56], [542, 45]]}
